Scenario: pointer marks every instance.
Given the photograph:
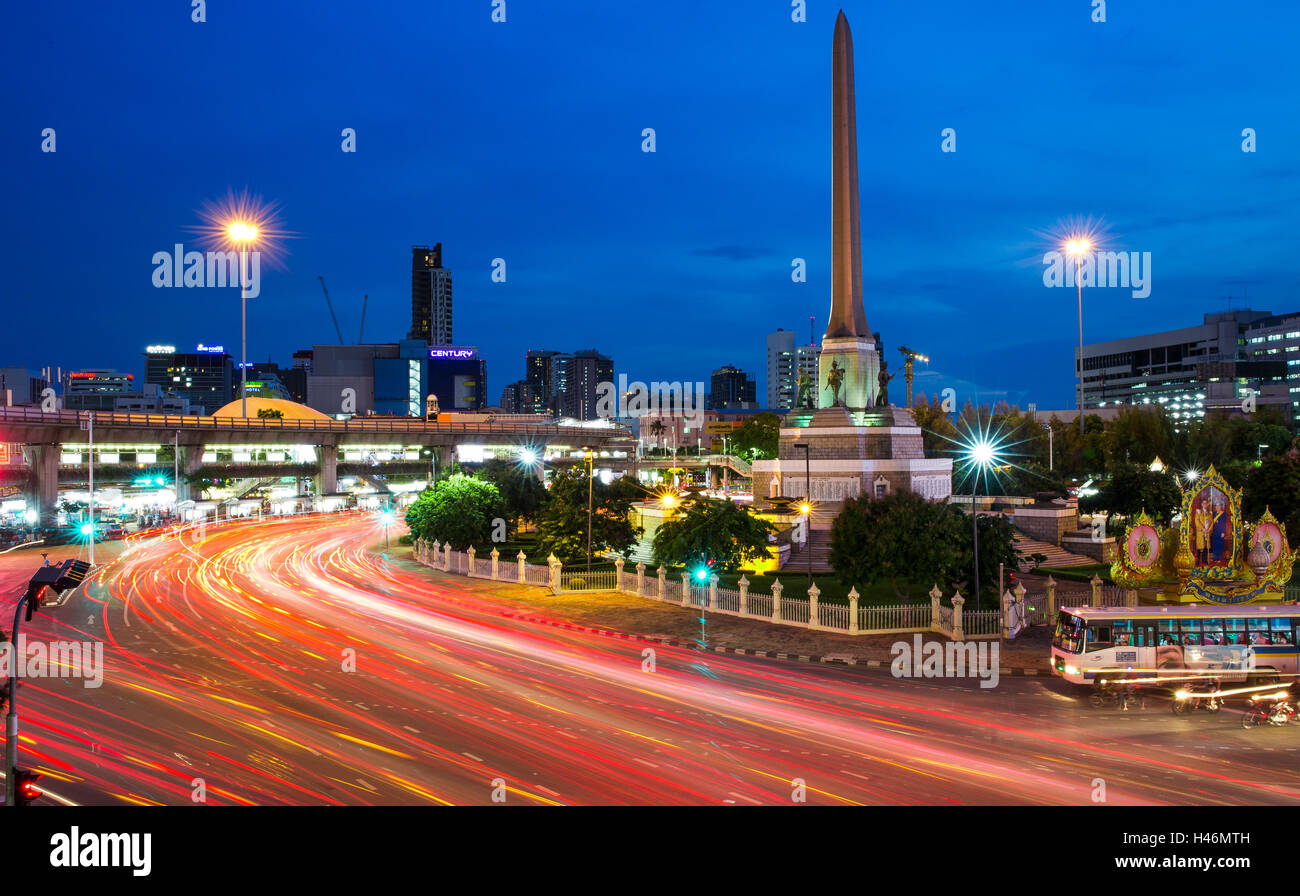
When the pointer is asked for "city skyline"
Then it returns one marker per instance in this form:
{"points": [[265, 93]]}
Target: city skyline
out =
{"points": [[545, 170]]}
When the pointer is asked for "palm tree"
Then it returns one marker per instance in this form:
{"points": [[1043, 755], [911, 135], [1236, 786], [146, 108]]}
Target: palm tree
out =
{"points": [[657, 430]]}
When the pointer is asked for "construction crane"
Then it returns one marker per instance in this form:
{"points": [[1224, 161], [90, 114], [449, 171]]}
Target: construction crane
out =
{"points": [[361, 337], [331, 307], [910, 357]]}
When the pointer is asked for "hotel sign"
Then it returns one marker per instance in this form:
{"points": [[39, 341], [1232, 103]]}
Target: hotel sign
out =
{"points": [[453, 352], [210, 349], [160, 350]]}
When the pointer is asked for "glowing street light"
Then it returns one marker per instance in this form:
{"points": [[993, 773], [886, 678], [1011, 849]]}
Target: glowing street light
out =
{"points": [[1078, 248], [243, 235], [980, 455]]}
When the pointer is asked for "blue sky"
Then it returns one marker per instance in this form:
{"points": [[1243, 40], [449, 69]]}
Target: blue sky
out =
{"points": [[522, 141]]}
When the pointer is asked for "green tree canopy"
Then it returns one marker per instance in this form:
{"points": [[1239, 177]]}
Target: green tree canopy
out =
{"points": [[1132, 489], [1275, 485], [522, 494], [458, 510], [562, 520], [709, 529], [761, 434], [900, 539]]}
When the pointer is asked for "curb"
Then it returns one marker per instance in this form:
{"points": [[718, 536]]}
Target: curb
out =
{"points": [[741, 651]]}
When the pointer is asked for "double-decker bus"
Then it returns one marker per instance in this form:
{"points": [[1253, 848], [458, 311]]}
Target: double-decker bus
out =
{"points": [[1242, 643]]}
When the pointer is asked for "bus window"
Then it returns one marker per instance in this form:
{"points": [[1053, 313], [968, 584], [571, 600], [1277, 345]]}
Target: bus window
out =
{"points": [[1122, 632], [1099, 638], [1069, 633]]}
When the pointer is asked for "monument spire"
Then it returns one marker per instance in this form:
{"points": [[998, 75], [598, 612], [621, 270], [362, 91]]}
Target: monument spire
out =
{"points": [[848, 319]]}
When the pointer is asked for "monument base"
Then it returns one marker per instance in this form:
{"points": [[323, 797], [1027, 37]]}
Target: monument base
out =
{"points": [[877, 452], [860, 382]]}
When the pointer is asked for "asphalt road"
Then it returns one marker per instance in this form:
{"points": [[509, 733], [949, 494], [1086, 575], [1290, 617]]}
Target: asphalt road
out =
{"points": [[290, 663]]}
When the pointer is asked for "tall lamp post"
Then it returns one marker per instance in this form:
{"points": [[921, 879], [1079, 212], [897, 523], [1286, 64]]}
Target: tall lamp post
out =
{"points": [[806, 507], [1051, 448], [589, 455], [1079, 248], [980, 456], [243, 235]]}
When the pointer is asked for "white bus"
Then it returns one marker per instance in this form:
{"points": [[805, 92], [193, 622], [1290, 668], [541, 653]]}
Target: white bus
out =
{"points": [[1251, 642]]}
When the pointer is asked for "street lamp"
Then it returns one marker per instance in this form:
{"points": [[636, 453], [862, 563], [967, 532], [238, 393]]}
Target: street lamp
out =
{"points": [[64, 577], [589, 455], [980, 455], [1051, 449], [1078, 248], [243, 234], [805, 508]]}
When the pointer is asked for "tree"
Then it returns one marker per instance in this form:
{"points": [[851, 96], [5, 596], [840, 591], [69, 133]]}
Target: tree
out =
{"points": [[1133, 488], [459, 510], [270, 413], [760, 434], [938, 434], [562, 521], [716, 530], [657, 429], [900, 539], [997, 546], [1275, 485], [522, 495]]}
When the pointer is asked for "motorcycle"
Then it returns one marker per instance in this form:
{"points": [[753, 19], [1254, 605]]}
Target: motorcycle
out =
{"points": [[1192, 699], [1123, 697], [1277, 712]]}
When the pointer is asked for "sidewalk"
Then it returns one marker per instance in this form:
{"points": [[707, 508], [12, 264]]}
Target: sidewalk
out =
{"points": [[625, 615]]}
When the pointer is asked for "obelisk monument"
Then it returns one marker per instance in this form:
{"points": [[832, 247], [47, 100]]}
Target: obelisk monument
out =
{"points": [[848, 344], [849, 446]]}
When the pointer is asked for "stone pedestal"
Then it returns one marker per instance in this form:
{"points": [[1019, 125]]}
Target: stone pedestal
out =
{"points": [[858, 359], [875, 452]]}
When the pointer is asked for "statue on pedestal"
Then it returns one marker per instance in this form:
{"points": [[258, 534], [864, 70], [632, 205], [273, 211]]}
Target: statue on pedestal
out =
{"points": [[882, 400], [804, 397], [834, 380]]}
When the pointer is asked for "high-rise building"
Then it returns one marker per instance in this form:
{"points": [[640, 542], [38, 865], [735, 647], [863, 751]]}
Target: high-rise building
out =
{"points": [[525, 397], [395, 378], [730, 387], [584, 371], [18, 387], [785, 361], [781, 370], [430, 296], [206, 376], [1195, 369], [545, 370]]}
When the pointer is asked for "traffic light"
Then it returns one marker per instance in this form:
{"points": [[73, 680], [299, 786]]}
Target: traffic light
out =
{"points": [[25, 786]]}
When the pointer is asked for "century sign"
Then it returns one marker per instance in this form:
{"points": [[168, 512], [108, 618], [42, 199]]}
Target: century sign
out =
{"points": [[458, 352]]}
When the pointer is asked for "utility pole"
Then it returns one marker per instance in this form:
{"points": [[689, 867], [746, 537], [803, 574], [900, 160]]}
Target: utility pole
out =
{"points": [[90, 502]]}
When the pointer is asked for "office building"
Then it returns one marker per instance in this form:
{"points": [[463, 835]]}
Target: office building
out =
{"points": [[584, 371], [206, 375], [430, 296], [785, 361], [1189, 371], [731, 387], [781, 369], [395, 378], [18, 387], [525, 397]]}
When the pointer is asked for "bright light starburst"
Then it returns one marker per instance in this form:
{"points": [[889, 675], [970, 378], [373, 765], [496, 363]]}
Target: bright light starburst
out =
{"points": [[243, 222]]}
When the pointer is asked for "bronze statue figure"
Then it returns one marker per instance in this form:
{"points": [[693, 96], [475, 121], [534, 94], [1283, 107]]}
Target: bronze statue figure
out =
{"points": [[804, 395], [882, 399], [835, 379]]}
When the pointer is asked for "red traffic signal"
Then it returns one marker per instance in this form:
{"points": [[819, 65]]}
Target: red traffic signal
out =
{"points": [[25, 786]]}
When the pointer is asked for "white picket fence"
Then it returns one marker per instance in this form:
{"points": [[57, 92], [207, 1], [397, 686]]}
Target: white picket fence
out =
{"points": [[710, 596]]}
